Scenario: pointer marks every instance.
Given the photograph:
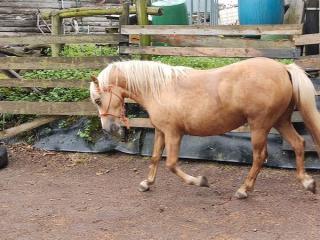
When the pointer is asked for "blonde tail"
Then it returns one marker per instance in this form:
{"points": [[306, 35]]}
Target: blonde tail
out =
{"points": [[304, 95]]}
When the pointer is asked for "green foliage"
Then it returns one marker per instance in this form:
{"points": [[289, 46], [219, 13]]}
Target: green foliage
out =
{"points": [[92, 126], [87, 50]]}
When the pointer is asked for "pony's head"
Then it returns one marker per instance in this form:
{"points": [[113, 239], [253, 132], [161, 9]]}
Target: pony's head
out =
{"points": [[109, 100], [145, 79]]}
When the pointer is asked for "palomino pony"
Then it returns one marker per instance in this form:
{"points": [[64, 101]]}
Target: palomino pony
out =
{"points": [[258, 91]]}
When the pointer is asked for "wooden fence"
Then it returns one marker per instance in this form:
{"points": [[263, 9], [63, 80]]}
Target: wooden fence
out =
{"points": [[209, 41]]}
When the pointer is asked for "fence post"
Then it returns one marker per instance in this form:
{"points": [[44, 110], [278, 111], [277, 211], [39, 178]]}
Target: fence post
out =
{"points": [[142, 18], [124, 17], [56, 22]]}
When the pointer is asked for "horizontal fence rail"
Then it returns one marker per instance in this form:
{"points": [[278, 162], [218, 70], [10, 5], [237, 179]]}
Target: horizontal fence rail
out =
{"points": [[218, 41], [307, 39], [67, 39], [309, 63], [55, 63], [213, 52], [281, 29]]}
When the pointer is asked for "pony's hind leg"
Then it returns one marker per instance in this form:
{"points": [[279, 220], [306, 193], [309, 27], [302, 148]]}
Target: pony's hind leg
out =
{"points": [[156, 156], [259, 146], [289, 133], [172, 142]]}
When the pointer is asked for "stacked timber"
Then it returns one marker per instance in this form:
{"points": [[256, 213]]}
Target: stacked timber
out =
{"points": [[19, 17]]}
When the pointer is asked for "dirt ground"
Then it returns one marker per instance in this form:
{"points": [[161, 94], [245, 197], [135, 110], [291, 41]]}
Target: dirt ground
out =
{"points": [[46, 195]]}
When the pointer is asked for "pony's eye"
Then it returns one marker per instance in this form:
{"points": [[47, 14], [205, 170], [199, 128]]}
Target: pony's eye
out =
{"points": [[98, 102]]}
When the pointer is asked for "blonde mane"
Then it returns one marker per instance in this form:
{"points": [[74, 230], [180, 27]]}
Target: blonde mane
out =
{"points": [[146, 77]]}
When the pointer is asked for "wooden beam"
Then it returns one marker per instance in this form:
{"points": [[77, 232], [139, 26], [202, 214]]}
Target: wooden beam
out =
{"points": [[212, 52], [44, 83], [142, 18], [218, 41], [56, 26], [67, 39], [56, 62], [140, 122], [11, 132], [84, 108], [281, 29], [125, 14], [94, 11], [48, 108], [309, 63], [307, 39]]}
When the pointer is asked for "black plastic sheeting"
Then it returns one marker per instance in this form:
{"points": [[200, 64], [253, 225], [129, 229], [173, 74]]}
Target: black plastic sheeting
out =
{"points": [[59, 139], [230, 147], [233, 147]]}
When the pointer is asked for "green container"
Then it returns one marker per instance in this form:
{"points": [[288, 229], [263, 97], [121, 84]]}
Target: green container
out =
{"points": [[174, 13]]}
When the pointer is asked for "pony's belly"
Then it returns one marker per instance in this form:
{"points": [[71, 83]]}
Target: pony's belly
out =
{"points": [[214, 127]]}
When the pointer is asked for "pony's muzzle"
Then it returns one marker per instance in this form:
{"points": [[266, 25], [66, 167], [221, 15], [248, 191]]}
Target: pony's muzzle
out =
{"points": [[113, 129]]}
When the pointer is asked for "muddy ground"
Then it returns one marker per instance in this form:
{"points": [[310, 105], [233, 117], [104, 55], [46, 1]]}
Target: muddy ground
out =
{"points": [[46, 195]]}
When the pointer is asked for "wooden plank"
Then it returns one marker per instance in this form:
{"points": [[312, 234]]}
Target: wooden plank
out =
{"points": [[56, 62], [218, 41], [84, 108], [140, 122], [281, 29], [19, 29], [68, 39], [44, 83], [48, 108], [17, 23], [309, 63], [212, 52], [11, 132], [307, 39]]}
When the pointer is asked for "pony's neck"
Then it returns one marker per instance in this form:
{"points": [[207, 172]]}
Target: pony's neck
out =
{"points": [[136, 96]]}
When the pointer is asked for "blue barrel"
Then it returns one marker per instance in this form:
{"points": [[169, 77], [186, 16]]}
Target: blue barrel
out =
{"points": [[261, 12]]}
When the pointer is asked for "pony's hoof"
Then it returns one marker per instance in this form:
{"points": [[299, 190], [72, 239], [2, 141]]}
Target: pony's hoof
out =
{"points": [[310, 185], [143, 186], [203, 181], [241, 194]]}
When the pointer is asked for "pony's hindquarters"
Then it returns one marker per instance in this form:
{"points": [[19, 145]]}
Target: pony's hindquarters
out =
{"points": [[304, 98]]}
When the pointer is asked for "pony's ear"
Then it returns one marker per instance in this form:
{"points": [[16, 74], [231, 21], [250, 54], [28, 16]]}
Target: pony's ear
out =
{"points": [[95, 80]]}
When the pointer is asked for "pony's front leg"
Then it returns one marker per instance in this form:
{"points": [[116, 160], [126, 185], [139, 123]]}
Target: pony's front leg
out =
{"points": [[156, 156], [172, 143]]}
